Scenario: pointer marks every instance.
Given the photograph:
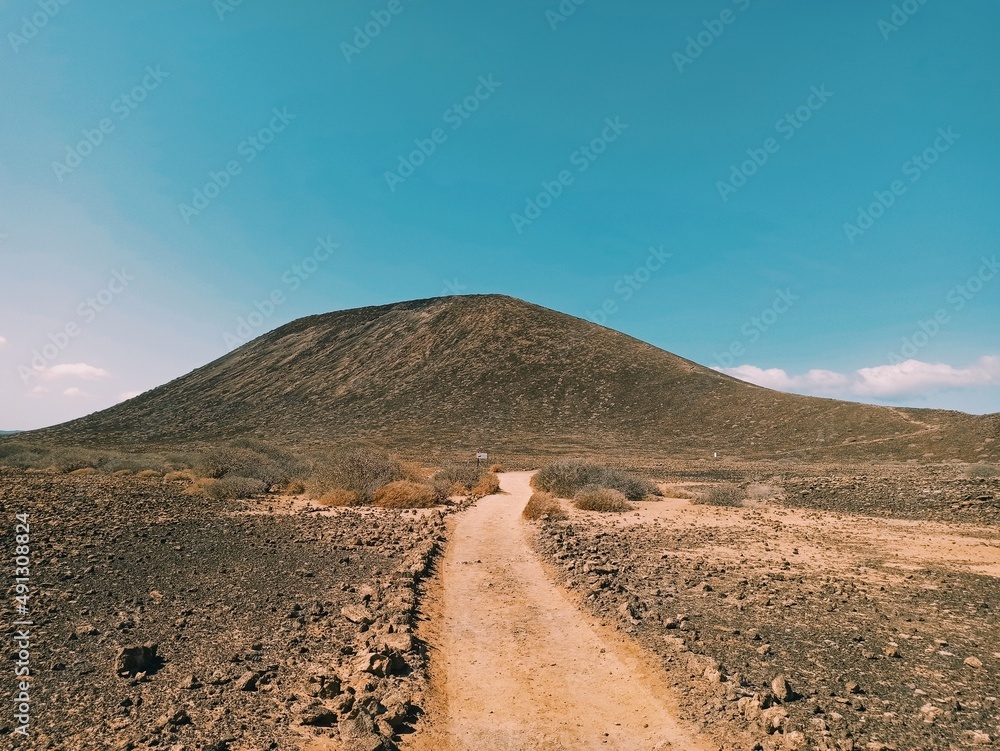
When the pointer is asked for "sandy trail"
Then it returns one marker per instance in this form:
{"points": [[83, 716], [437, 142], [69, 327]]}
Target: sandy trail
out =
{"points": [[519, 667]]}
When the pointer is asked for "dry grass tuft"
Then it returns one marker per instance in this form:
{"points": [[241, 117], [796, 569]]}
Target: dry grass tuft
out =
{"points": [[148, 473], [294, 487], [339, 498], [684, 495], [405, 494], [487, 484], [544, 505], [228, 488], [608, 500], [83, 471], [496, 468], [722, 495], [181, 475]]}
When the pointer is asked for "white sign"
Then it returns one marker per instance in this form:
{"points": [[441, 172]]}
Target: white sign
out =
{"points": [[481, 455]]}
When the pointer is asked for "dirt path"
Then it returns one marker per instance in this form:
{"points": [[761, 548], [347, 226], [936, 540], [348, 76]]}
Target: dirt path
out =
{"points": [[518, 667]]}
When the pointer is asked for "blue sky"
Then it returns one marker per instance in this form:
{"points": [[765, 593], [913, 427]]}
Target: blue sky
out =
{"points": [[803, 194]]}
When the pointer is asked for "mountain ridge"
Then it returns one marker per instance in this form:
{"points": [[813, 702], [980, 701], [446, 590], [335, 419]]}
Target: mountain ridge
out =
{"points": [[492, 370]]}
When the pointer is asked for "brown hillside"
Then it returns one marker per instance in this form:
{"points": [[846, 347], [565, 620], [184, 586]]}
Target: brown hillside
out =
{"points": [[492, 371]]}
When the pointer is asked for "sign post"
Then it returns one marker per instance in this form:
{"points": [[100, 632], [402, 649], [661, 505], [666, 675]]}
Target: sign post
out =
{"points": [[481, 457]]}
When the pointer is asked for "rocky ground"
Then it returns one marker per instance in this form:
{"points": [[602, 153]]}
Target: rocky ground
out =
{"points": [[169, 621], [903, 490], [787, 627]]}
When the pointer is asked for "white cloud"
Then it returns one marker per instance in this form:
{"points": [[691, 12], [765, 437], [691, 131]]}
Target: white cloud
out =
{"points": [[914, 376], [909, 378], [3, 342], [74, 370], [73, 392]]}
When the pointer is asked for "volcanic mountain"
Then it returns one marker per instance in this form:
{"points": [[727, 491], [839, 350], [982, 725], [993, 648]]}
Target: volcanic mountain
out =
{"points": [[493, 372]]}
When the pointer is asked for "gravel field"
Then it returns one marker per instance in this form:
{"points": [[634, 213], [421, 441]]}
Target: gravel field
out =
{"points": [[275, 625]]}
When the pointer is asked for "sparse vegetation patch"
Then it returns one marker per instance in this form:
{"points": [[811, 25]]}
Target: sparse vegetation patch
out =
{"points": [[544, 505], [566, 478], [726, 494], [607, 500]]}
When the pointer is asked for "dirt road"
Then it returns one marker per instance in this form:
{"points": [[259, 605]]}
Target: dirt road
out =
{"points": [[518, 667]]}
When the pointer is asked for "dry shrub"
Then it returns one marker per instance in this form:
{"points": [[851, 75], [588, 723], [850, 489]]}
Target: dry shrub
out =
{"points": [[566, 478], [758, 491], [595, 498], [250, 458], [497, 468], [228, 488], [339, 498], [148, 473], [405, 494], [487, 484], [295, 487], [685, 495], [456, 479], [83, 472], [70, 459], [182, 475], [544, 505], [722, 495], [360, 468], [982, 472], [414, 471], [121, 473]]}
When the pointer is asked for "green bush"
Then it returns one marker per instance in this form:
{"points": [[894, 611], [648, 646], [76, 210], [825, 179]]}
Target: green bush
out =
{"points": [[565, 478], [982, 472]]}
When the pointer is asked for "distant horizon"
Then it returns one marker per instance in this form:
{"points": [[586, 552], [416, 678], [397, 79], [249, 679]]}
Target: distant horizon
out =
{"points": [[529, 302]]}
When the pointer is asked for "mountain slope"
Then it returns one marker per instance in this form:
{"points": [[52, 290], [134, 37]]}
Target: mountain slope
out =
{"points": [[497, 372]]}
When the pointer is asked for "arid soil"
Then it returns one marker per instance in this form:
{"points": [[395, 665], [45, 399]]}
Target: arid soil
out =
{"points": [[844, 608], [275, 627], [788, 627], [519, 667]]}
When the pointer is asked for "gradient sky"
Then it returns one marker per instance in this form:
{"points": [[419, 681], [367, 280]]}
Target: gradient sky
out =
{"points": [[640, 116]]}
